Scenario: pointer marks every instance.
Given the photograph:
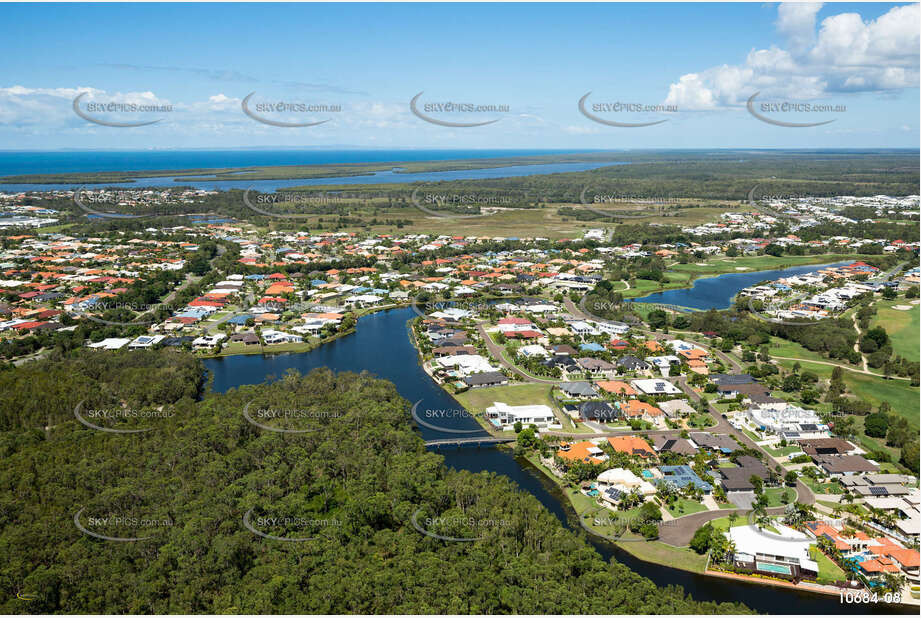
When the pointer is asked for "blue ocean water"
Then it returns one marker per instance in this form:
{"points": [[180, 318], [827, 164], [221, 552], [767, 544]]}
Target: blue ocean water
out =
{"points": [[55, 162]]}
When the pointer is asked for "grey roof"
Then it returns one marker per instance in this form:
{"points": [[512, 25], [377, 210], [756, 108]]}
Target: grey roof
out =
{"points": [[631, 362], [716, 442], [723, 379], [487, 377], [600, 410], [578, 389]]}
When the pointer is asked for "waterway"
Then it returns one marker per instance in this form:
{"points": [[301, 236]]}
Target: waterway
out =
{"points": [[391, 176], [718, 292], [381, 345]]}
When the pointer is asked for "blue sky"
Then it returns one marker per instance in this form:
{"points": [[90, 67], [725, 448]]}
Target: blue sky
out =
{"points": [[703, 61]]}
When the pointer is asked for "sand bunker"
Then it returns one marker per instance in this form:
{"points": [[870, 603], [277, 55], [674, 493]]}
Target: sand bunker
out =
{"points": [[742, 268], [902, 307]]}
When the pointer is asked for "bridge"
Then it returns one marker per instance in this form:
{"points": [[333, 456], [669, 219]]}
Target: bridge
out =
{"points": [[459, 442]]}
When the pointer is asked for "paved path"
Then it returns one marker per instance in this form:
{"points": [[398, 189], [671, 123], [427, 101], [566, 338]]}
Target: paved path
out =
{"points": [[845, 367], [682, 529], [497, 352]]}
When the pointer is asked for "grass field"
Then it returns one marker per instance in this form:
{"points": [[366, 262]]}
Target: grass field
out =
{"points": [[783, 451], [776, 495], [478, 399], [683, 506], [666, 555], [902, 326], [902, 397], [828, 570], [723, 524]]}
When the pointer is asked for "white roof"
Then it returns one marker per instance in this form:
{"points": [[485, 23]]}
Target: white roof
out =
{"points": [[112, 343], [655, 386], [534, 411], [789, 543]]}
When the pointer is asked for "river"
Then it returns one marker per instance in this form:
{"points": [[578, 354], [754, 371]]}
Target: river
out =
{"points": [[718, 292], [391, 176], [381, 346]]}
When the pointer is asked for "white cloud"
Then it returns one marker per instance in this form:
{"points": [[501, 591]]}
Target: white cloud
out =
{"points": [[796, 23], [847, 54]]}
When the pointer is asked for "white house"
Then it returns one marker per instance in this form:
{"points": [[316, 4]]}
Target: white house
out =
{"points": [[655, 386], [146, 341], [505, 416], [276, 336], [112, 343], [208, 341], [530, 351]]}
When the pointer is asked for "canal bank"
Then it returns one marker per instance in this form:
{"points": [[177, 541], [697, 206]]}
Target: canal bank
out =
{"points": [[381, 346], [718, 292]]}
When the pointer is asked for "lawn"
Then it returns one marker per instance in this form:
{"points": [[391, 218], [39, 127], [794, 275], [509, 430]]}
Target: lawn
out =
{"points": [[775, 495], [666, 555], [783, 451], [701, 421], [902, 326], [722, 523], [683, 506], [822, 488], [478, 399], [828, 570], [902, 397]]}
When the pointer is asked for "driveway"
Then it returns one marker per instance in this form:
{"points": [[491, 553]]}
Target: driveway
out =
{"points": [[742, 499]]}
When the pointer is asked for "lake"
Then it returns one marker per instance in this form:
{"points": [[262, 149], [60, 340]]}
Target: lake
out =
{"points": [[718, 292], [381, 346]]}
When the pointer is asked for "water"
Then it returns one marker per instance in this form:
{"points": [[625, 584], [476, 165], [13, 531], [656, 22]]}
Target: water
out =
{"points": [[718, 292], [61, 162], [381, 346]]}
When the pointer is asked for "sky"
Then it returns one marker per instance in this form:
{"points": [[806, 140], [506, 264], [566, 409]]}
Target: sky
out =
{"points": [[689, 68]]}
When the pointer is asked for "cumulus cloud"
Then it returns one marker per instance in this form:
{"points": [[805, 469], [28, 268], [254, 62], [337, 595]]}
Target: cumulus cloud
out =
{"points": [[844, 54]]}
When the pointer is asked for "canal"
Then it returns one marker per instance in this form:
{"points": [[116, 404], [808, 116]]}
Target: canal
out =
{"points": [[381, 346], [718, 292]]}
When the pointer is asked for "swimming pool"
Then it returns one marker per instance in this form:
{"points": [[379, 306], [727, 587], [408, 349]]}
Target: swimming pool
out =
{"points": [[773, 568]]}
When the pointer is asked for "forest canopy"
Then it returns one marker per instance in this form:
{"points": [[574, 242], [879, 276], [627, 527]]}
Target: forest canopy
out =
{"points": [[346, 487]]}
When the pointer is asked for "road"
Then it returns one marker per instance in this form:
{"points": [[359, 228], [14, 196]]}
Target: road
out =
{"points": [[496, 351]]}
